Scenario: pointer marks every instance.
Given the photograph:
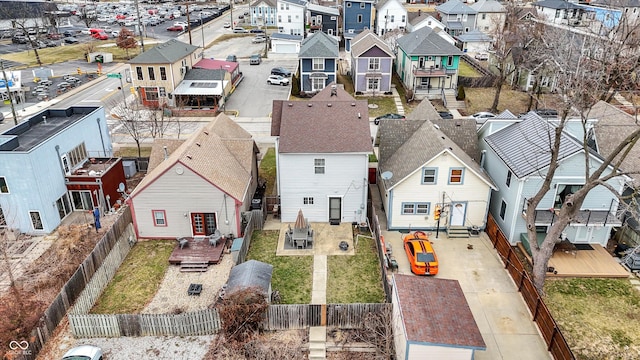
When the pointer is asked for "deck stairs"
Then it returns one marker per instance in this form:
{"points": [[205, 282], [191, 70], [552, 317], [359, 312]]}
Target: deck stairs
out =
{"points": [[194, 266], [451, 102], [460, 232]]}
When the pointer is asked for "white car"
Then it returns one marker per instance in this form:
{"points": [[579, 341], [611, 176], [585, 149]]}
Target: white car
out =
{"points": [[481, 117], [258, 39], [277, 80], [227, 25], [83, 352], [181, 23], [482, 56]]}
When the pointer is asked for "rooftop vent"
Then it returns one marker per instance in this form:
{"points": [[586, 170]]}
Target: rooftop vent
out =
{"points": [[353, 104], [206, 132], [359, 116], [290, 104], [309, 104], [329, 104], [166, 152], [44, 119], [436, 126], [198, 144], [189, 157]]}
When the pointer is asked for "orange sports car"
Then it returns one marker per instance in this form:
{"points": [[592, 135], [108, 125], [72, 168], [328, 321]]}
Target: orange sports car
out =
{"points": [[422, 257]]}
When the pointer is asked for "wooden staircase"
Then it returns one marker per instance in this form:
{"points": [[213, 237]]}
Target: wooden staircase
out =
{"points": [[451, 102], [460, 232], [194, 266]]}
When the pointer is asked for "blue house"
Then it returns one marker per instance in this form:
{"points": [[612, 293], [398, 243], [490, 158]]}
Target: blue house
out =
{"points": [[323, 18], [516, 156], [371, 64], [357, 16], [263, 13], [318, 62], [39, 156]]}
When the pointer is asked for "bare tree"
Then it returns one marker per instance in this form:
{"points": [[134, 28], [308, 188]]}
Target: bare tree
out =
{"points": [[133, 119], [126, 40], [159, 122], [87, 16], [512, 39], [587, 70], [377, 331], [28, 18]]}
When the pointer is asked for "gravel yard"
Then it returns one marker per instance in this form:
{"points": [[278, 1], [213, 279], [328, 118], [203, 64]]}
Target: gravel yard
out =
{"points": [[172, 294]]}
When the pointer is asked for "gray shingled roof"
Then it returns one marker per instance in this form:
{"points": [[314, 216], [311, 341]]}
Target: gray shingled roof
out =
{"points": [[558, 4], [286, 36], [613, 126], [296, 2], [340, 125], [463, 132], [474, 35], [424, 111], [165, 53], [455, 7], [269, 3], [231, 167], [617, 3], [426, 41], [315, 8], [319, 45], [435, 311], [412, 143], [365, 41], [524, 146], [488, 6], [250, 274]]}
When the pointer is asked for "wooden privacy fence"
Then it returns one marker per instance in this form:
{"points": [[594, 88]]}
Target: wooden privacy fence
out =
{"points": [[206, 322], [203, 322], [76, 284], [556, 343]]}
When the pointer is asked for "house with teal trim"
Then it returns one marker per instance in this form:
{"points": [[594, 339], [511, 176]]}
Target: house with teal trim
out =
{"points": [[426, 163], [427, 63], [516, 156]]}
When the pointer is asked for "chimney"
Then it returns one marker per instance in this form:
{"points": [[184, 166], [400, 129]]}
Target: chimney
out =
{"points": [[483, 155], [166, 152], [44, 119]]}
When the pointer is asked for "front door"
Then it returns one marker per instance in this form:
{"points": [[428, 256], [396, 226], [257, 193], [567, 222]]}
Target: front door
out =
{"points": [[335, 209], [458, 212], [203, 224]]}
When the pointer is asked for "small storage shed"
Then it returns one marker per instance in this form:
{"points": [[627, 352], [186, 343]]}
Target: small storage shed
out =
{"points": [[285, 43], [432, 320], [250, 274]]}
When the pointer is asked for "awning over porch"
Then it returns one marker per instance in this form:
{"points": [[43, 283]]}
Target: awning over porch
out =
{"points": [[193, 87], [319, 75]]}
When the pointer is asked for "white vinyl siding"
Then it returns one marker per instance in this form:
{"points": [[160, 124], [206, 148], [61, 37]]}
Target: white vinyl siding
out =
{"points": [[344, 177], [162, 194]]}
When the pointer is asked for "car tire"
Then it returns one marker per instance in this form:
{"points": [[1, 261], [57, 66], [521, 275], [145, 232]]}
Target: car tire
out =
{"points": [[283, 84]]}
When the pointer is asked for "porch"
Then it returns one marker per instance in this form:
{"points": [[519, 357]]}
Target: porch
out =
{"points": [[579, 260], [586, 217]]}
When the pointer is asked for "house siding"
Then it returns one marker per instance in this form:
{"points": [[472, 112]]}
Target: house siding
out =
{"points": [[306, 69], [351, 13], [361, 68], [426, 351], [474, 191], [25, 171], [167, 193], [345, 176], [391, 9]]}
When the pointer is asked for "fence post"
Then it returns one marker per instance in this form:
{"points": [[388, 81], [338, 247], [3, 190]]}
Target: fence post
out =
{"points": [[553, 338]]}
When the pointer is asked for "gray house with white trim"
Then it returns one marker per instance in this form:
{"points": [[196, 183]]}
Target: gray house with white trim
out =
{"points": [[318, 62], [457, 17]]}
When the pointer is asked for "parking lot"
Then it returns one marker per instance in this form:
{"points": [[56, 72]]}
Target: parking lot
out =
{"points": [[253, 98]]}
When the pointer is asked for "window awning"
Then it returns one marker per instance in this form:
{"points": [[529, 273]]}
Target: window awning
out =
{"points": [[199, 87], [319, 76], [373, 75]]}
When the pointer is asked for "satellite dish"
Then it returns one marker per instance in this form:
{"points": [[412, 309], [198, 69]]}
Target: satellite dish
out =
{"points": [[121, 187], [387, 175]]}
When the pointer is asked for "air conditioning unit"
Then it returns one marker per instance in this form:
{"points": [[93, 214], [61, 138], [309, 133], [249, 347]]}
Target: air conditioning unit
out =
{"points": [[183, 70]]}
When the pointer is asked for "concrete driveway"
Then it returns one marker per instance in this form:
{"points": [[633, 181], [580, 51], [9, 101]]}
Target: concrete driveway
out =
{"points": [[498, 308]]}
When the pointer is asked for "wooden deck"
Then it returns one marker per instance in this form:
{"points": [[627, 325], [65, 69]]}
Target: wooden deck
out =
{"points": [[596, 263], [197, 251]]}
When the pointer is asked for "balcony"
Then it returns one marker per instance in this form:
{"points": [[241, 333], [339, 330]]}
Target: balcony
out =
{"points": [[433, 72], [584, 217]]}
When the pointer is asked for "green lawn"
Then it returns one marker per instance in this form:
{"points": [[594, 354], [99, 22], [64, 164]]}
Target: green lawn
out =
{"points": [[355, 279], [386, 104], [137, 280], [600, 318], [267, 170], [465, 69], [132, 151], [292, 275]]}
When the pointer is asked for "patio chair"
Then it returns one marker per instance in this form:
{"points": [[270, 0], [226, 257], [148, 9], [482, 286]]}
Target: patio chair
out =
{"points": [[182, 242], [310, 237], [215, 238]]}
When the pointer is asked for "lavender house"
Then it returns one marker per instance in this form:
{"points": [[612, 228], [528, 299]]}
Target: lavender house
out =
{"points": [[371, 63]]}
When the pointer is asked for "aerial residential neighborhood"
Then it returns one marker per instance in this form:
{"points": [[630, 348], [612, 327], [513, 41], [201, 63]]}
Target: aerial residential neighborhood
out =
{"points": [[308, 179]]}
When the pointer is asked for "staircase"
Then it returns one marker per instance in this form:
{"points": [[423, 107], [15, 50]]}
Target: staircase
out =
{"points": [[317, 343], [451, 102], [193, 266], [460, 232]]}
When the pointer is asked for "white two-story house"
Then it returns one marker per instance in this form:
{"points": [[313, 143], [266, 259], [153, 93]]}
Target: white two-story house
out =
{"points": [[291, 16]]}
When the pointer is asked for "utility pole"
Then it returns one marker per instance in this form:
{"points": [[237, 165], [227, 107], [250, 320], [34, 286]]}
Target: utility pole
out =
{"points": [[233, 25], [139, 25], [189, 25], [6, 84]]}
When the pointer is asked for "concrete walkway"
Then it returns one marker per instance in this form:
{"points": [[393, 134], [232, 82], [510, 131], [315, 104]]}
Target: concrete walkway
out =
{"points": [[398, 101]]}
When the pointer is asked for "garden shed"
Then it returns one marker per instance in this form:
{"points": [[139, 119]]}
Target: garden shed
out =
{"points": [[432, 320], [250, 274]]}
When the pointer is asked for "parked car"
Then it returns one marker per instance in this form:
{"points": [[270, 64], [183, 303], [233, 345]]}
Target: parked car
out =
{"points": [[64, 85], [445, 114], [256, 31], [175, 28], [240, 16], [19, 39], [277, 80], [54, 36], [388, 117], [181, 23], [68, 33], [258, 39], [226, 25], [232, 58], [83, 352], [45, 83], [547, 113], [280, 71], [71, 40], [255, 59], [39, 89], [422, 257], [240, 30], [483, 115], [100, 36], [483, 56]]}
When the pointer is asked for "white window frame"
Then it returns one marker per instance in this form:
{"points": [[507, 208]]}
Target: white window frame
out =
{"points": [[373, 84], [317, 84], [317, 64], [39, 219], [307, 200], [4, 189], [374, 63], [319, 166]]}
